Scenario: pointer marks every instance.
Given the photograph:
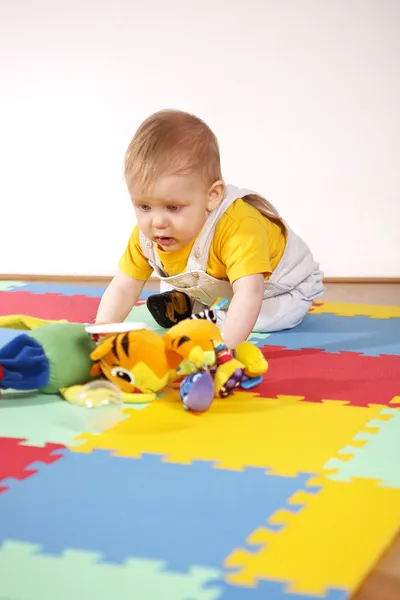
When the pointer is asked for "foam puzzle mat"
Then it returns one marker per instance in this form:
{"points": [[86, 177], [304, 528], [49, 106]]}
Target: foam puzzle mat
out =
{"points": [[290, 491]]}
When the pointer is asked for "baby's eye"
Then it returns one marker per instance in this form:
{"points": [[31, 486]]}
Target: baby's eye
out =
{"points": [[144, 207], [173, 208]]}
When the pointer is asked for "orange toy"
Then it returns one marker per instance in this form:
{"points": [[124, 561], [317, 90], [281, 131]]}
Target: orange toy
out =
{"points": [[137, 362]]}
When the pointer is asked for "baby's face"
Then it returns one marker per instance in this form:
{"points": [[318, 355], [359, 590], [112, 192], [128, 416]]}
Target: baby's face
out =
{"points": [[173, 210]]}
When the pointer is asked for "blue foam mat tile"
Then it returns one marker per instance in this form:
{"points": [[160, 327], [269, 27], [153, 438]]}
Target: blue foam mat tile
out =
{"points": [[67, 290], [6, 335], [272, 590], [333, 333], [125, 507]]}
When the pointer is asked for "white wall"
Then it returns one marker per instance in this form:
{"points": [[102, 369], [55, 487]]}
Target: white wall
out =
{"points": [[303, 94]]}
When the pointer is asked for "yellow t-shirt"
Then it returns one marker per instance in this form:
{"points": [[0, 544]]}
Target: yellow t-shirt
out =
{"points": [[245, 243]]}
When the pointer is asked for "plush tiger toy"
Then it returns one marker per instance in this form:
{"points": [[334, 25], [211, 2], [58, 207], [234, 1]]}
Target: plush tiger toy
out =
{"points": [[137, 362], [142, 362]]}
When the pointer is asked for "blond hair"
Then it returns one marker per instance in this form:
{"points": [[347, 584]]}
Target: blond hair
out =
{"points": [[172, 141], [177, 142]]}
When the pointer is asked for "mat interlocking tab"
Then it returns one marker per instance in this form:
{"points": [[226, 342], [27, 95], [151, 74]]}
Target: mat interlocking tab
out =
{"points": [[274, 590], [16, 458], [378, 457], [259, 339], [316, 375], [371, 337], [78, 574], [284, 434], [181, 514], [327, 541], [353, 310]]}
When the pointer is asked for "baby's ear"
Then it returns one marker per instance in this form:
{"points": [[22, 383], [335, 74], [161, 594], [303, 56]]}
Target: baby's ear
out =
{"points": [[215, 195], [103, 347]]}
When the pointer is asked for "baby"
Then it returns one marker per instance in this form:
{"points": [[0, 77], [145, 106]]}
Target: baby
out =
{"points": [[204, 239]]}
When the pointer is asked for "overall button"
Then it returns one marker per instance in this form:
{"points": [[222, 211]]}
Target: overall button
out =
{"points": [[149, 244], [195, 275], [197, 253]]}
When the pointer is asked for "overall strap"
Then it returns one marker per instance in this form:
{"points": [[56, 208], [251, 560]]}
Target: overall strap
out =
{"points": [[150, 252], [201, 248]]}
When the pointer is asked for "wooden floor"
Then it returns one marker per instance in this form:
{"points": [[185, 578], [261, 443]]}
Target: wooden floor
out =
{"points": [[387, 294]]}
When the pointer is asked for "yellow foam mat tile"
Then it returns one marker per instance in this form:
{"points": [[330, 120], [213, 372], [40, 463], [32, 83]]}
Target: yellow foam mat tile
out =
{"points": [[352, 310], [284, 434], [24, 322], [333, 541]]}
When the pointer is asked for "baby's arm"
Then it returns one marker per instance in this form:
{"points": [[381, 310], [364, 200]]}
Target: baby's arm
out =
{"points": [[119, 298], [244, 309]]}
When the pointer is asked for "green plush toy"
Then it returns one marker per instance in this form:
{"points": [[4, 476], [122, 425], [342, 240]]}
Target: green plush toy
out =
{"points": [[46, 356]]}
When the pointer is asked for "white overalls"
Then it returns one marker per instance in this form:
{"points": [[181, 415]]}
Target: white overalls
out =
{"points": [[289, 292]]}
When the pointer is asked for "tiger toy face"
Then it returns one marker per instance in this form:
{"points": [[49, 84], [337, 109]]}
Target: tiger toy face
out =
{"points": [[135, 361]]}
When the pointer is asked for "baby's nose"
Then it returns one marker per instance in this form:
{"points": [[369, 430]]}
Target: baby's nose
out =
{"points": [[160, 221]]}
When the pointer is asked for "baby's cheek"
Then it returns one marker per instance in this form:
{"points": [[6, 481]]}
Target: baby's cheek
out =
{"points": [[184, 222], [144, 222]]}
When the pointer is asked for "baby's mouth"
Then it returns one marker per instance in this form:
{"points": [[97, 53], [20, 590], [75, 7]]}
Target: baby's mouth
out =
{"points": [[165, 241]]}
